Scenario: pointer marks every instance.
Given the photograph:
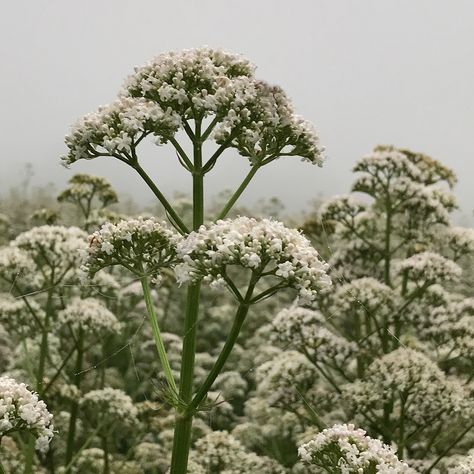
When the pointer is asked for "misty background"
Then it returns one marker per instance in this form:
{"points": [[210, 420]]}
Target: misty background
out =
{"points": [[365, 72]]}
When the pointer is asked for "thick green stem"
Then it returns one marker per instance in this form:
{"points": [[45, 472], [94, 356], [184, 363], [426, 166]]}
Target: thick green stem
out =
{"points": [[223, 356], [71, 436], [160, 347], [182, 431], [30, 454], [239, 191]]}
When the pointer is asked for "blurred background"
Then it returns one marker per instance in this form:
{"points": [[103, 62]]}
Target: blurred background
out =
{"points": [[366, 73]]}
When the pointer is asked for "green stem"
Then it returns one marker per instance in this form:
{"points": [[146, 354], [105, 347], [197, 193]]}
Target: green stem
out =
{"points": [[84, 446], [30, 453], [223, 356], [239, 191], [401, 437], [160, 347], [176, 220], [71, 436], [105, 448], [182, 431], [44, 342], [451, 446], [183, 426]]}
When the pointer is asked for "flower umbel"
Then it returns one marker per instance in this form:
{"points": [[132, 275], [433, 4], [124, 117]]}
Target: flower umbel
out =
{"points": [[264, 246]]}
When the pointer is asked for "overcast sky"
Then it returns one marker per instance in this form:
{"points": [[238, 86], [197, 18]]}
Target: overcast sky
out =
{"points": [[364, 71]]}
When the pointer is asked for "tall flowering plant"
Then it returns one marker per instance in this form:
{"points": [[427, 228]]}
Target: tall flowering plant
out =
{"points": [[389, 346], [203, 95]]}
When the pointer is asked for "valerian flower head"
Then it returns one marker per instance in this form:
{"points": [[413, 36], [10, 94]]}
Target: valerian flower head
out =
{"points": [[16, 265], [366, 295], [55, 248], [114, 129], [430, 395], [160, 97], [263, 246], [109, 407], [22, 411], [387, 161], [459, 239], [465, 466], [142, 245], [16, 314], [341, 208], [431, 171], [44, 216], [284, 379], [84, 188], [220, 452], [346, 449], [90, 315], [428, 268], [450, 328], [98, 217], [305, 330]]}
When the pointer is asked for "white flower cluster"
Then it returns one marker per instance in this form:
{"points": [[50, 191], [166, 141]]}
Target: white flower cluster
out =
{"points": [[430, 395], [44, 216], [385, 161], [16, 265], [408, 178], [231, 385], [220, 452], [98, 217], [345, 449], [466, 466], [284, 379], [90, 315], [86, 187], [366, 295], [22, 411], [15, 314], [115, 128], [304, 329], [340, 208], [53, 247], [459, 239], [254, 244], [255, 118], [451, 329], [142, 245], [428, 268], [431, 171], [109, 407]]}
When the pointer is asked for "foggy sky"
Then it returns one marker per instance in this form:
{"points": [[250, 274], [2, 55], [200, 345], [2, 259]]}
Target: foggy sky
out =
{"points": [[364, 71]]}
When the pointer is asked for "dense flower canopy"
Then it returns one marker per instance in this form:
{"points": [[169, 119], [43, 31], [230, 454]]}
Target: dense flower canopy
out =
{"points": [[253, 117]]}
